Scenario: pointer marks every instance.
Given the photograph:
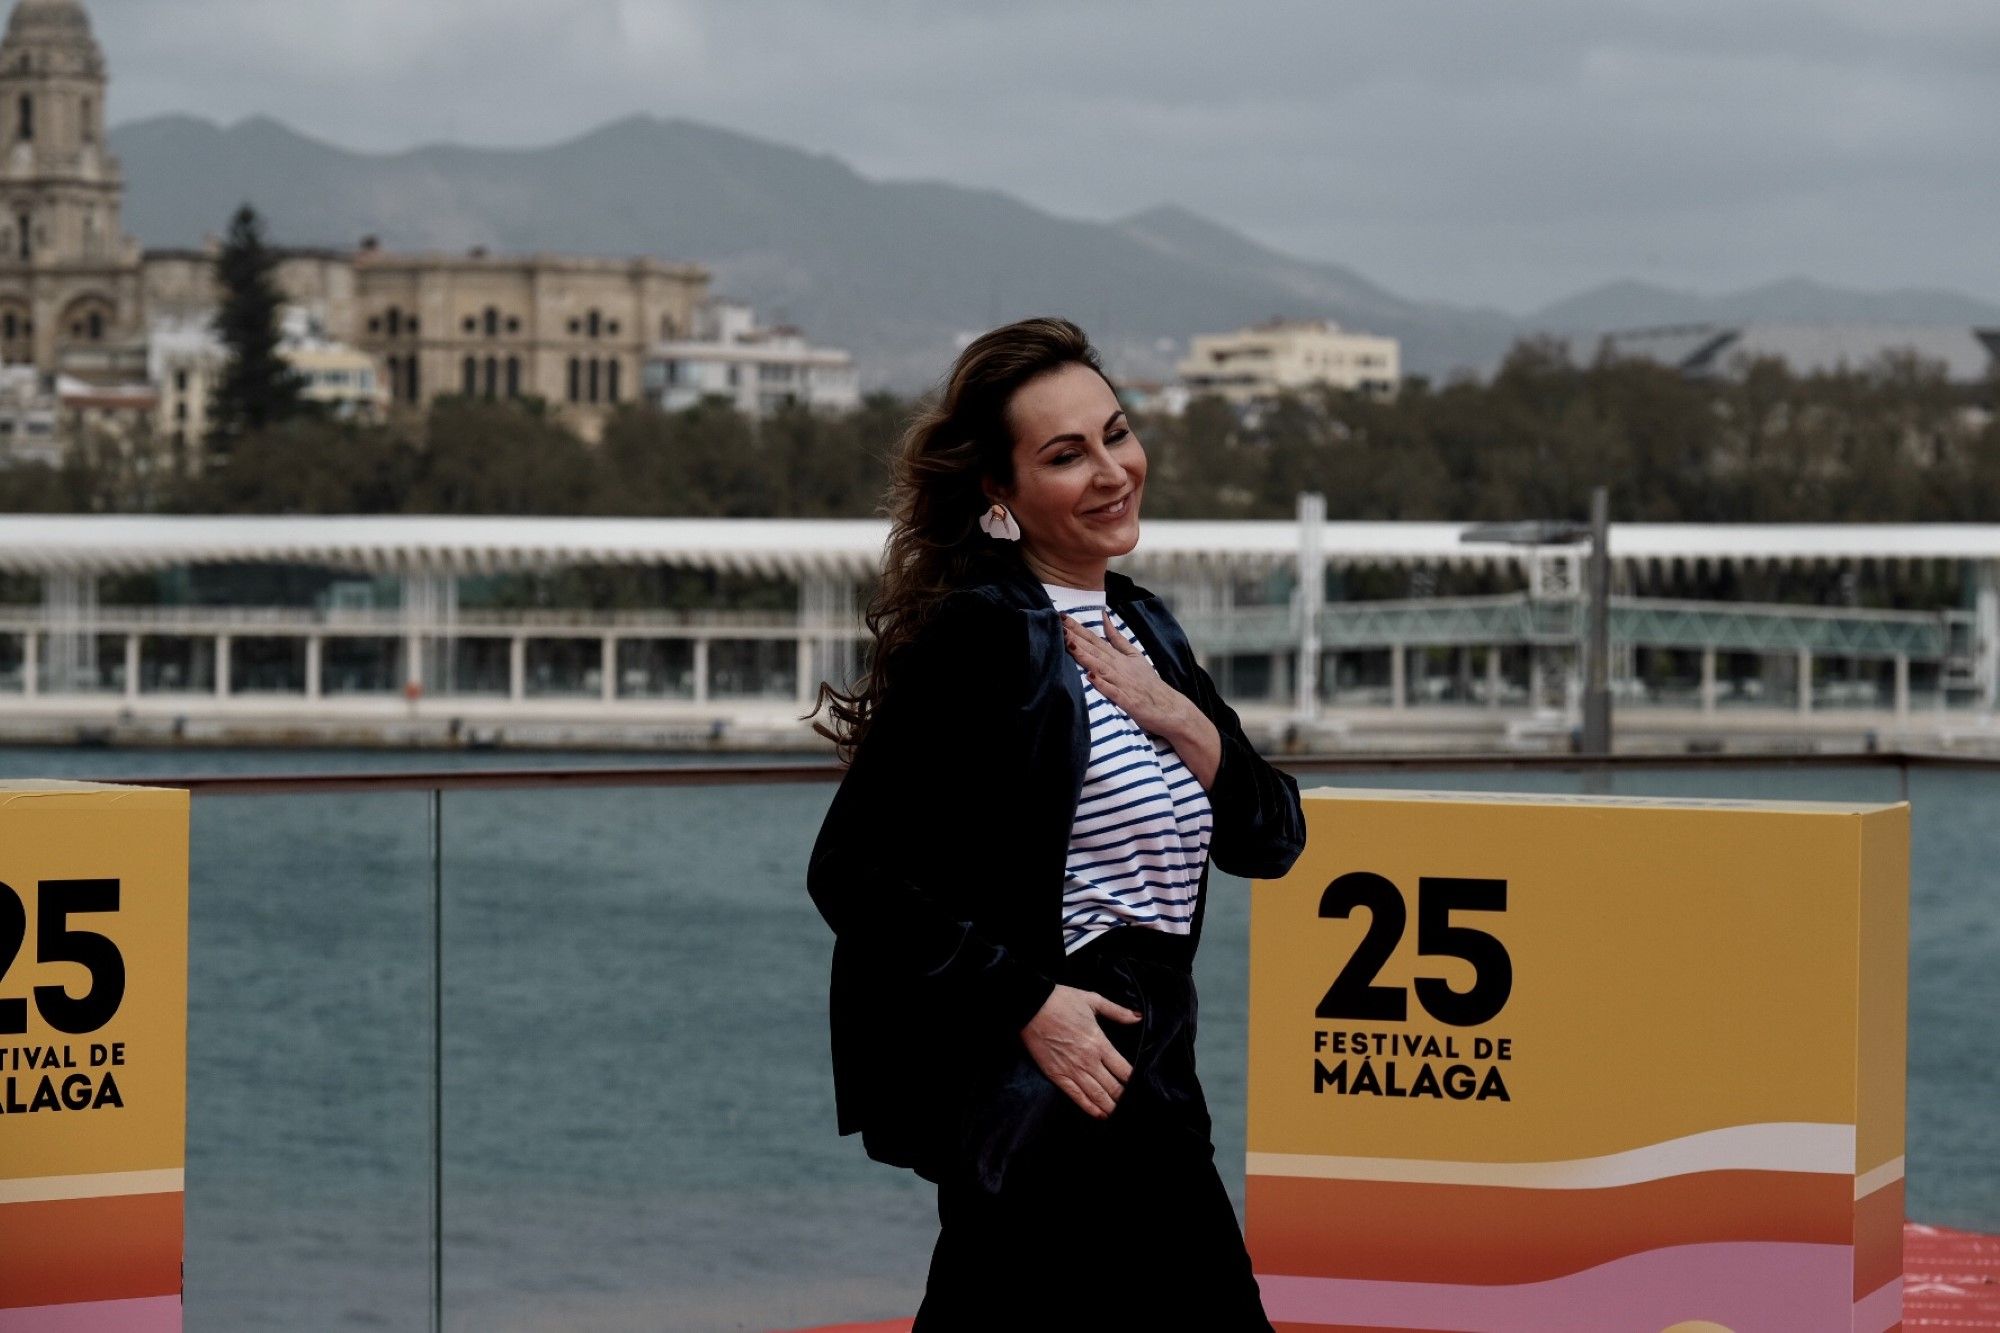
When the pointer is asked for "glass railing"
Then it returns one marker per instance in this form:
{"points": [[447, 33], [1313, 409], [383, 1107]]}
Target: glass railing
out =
{"points": [[492, 1049]]}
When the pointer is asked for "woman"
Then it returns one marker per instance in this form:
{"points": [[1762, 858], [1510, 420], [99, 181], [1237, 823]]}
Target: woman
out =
{"points": [[1039, 776]]}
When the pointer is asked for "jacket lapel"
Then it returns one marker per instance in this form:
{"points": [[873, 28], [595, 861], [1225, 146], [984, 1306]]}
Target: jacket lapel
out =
{"points": [[1158, 632]]}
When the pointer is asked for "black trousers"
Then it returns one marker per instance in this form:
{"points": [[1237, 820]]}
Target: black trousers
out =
{"points": [[1052, 1219]]}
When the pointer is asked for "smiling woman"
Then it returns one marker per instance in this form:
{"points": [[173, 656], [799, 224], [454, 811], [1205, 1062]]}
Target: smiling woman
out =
{"points": [[1076, 492], [1019, 850]]}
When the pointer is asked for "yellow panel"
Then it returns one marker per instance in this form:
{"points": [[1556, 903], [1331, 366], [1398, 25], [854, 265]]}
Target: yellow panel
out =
{"points": [[1885, 986], [119, 1087], [1678, 967]]}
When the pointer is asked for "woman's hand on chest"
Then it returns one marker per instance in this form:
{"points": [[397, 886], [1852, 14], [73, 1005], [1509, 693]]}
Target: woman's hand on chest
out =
{"points": [[1121, 673]]}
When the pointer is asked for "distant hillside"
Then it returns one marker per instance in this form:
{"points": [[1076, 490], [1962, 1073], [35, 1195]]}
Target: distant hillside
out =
{"points": [[894, 270], [1631, 305]]}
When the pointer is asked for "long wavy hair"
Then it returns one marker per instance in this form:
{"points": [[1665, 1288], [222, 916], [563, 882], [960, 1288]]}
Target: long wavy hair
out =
{"points": [[958, 439]]}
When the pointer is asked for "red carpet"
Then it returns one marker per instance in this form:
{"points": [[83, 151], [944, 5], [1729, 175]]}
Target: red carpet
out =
{"points": [[1951, 1279]]}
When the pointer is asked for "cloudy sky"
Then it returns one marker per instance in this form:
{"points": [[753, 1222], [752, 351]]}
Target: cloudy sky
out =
{"points": [[1508, 153]]}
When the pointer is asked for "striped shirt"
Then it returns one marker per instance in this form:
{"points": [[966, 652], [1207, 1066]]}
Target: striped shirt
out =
{"points": [[1142, 827]]}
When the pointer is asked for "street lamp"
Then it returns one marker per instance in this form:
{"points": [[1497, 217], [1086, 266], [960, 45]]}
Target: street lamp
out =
{"points": [[1597, 640]]}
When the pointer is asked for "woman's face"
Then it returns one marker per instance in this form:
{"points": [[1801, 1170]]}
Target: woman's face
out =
{"points": [[1079, 472]]}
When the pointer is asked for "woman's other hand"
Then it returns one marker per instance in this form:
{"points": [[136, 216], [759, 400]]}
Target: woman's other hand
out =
{"points": [[1122, 674], [1071, 1049]]}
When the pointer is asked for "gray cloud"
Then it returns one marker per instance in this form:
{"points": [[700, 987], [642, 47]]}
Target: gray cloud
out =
{"points": [[1504, 153]]}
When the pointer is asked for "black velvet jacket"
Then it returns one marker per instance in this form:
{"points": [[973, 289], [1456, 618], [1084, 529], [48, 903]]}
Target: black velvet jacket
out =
{"points": [[941, 860]]}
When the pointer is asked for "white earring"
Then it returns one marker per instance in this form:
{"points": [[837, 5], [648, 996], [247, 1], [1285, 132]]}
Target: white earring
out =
{"points": [[997, 522]]}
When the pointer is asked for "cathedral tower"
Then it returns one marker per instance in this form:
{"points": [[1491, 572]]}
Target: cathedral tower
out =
{"points": [[69, 277]]}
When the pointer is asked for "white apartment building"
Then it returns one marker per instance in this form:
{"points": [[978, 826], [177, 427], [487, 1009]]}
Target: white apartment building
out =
{"points": [[42, 414], [758, 369], [185, 360], [1287, 355], [30, 417]]}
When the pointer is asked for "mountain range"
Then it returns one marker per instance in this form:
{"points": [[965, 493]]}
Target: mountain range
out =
{"points": [[896, 271]]}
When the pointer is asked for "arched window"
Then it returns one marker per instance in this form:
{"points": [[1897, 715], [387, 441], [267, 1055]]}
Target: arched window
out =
{"points": [[395, 321], [27, 122], [492, 376], [513, 377], [94, 326], [575, 380], [594, 370], [471, 324], [471, 369], [492, 322], [410, 374], [611, 380], [596, 324]]}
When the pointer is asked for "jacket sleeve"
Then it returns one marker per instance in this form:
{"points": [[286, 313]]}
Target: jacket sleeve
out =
{"points": [[1260, 827], [928, 734]]}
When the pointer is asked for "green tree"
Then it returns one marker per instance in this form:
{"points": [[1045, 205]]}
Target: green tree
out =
{"points": [[258, 388], [481, 457], [308, 466]]}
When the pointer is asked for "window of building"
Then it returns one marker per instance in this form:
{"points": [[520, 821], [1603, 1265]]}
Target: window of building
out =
{"points": [[513, 377], [611, 380], [94, 326], [413, 324], [10, 326], [470, 385], [25, 225], [89, 122], [513, 323], [27, 120], [395, 321], [576, 326], [666, 328], [596, 323], [492, 322], [180, 376], [411, 372], [612, 328], [492, 376], [575, 380], [735, 376], [374, 323], [595, 372], [471, 324]]}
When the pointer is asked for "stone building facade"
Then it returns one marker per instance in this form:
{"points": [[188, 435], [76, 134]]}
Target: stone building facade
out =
{"points": [[80, 298], [572, 331], [70, 292]]}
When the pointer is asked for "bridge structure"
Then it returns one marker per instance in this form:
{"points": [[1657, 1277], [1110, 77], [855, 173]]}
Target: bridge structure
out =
{"points": [[388, 645]]}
